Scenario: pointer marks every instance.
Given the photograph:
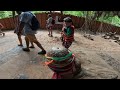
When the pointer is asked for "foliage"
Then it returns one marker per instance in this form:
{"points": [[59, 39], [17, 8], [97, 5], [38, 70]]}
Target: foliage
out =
{"points": [[75, 13], [4, 14], [39, 11], [111, 17], [107, 16]]}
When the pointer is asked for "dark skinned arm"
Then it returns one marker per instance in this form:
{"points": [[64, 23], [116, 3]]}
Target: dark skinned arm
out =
{"points": [[21, 26]]}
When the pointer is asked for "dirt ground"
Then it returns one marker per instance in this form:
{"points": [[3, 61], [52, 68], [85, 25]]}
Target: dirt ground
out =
{"points": [[100, 58]]}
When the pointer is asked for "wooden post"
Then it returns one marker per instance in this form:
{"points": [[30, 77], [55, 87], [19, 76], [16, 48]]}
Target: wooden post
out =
{"points": [[13, 15], [62, 12]]}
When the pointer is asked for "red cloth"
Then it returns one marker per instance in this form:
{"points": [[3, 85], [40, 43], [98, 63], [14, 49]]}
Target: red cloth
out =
{"points": [[61, 73], [56, 76], [50, 27], [68, 38]]}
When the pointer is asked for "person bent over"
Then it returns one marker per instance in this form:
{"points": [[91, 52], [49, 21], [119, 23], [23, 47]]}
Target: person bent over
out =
{"points": [[29, 33]]}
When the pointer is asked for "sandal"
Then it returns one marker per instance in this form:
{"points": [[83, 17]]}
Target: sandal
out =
{"points": [[31, 47], [42, 52], [26, 49], [20, 45], [51, 35]]}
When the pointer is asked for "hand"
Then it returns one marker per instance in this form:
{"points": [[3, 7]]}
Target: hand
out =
{"points": [[15, 30], [19, 33]]}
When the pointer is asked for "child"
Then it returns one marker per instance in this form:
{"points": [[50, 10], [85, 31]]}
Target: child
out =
{"points": [[1, 27], [49, 25], [67, 34]]}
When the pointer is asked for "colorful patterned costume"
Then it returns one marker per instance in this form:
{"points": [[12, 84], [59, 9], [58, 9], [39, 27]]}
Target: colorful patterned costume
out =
{"points": [[62, 63], [67, 36]]}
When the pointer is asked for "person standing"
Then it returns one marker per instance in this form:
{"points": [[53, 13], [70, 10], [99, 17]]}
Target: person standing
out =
{"points": [[19, 35], [50, 24], [25, 25]]}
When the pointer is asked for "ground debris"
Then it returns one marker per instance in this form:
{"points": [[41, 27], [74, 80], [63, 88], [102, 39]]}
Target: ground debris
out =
{"points": [[88, 37], [110, 35]]}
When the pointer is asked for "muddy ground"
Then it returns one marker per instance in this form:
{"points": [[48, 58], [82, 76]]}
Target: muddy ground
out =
{"points": [[100, 58]]}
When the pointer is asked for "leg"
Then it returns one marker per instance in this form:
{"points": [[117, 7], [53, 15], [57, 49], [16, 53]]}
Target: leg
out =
{"points": [[48, 30], [67, 44], [27, 41], [51, 31], [61, 38], [20, 40], [3, 34], [32, 38], [39, 45], [63, 43], [27, 44], [32, 45]]}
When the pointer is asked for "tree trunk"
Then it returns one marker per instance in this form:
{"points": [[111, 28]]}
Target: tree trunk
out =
{"points": [[13, 15], [100, 28]]}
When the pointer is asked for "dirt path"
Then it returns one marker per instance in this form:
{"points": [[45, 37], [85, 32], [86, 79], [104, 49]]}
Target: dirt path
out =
{"points": [[100, 58]]}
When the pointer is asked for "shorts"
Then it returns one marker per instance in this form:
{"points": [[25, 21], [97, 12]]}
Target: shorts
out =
{"points": [[32, 38], [49, 27]]}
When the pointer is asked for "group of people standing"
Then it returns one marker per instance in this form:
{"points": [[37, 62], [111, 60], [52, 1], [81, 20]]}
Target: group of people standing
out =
{"points": [[23, 28]]}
